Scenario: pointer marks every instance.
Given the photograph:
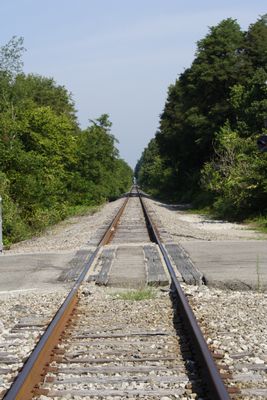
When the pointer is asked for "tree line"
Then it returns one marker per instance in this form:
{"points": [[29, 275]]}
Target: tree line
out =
{"points": [[205, 148], [49, 167]]}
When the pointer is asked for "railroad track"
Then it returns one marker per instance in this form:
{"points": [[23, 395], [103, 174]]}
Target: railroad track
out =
{"points": [[100, 345]]}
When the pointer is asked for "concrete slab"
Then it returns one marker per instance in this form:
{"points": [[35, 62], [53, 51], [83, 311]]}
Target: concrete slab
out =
{"points": [[128, 268], [36, 270], [233, 264]]}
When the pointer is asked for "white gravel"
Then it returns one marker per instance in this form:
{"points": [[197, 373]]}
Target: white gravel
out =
{"points": [[181, 225], [19, 312], [235, 323], [73, 233], [39, 306], [76, 232], [147, 331]]}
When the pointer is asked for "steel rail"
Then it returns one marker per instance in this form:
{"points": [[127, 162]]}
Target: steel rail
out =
{"points": [[216, 387], [31, 373]]}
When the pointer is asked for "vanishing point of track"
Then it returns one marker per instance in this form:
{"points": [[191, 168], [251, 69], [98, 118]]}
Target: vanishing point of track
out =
{"points": [[54, 345]]}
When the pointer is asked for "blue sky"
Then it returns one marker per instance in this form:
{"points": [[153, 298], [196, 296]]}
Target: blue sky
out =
{"points": [[117, 57]]}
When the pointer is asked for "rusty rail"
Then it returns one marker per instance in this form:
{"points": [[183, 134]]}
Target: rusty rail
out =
{"points": [[33, 370], [31, 374], [215, 385]]}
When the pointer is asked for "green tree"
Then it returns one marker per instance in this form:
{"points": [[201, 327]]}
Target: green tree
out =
{"points": [[11, 54], [97, 161], [49, 167], [197, 104], [152, 173], [237, 176], [223, 90], [255, 47]]}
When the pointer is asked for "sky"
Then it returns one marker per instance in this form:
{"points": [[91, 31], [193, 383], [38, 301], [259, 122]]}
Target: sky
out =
{"points": [[117, 56]]}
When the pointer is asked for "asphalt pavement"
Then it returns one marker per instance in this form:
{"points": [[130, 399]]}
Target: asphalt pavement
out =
{"points": [[232, 264], [31, 271], [237, 265]]}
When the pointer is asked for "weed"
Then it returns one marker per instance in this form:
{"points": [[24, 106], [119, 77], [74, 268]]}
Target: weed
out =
{"points": [[258, 274], [259, 223], [136, 295]]}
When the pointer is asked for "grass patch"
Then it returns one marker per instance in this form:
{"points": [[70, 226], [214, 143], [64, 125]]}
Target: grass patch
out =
{"points": [[136, 295], [258, 223], [16, 229], [83, 210]]}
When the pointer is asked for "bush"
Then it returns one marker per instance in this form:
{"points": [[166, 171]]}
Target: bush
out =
{"points": [[236, 177]]}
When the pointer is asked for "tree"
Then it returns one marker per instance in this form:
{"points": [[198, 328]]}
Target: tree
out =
{"points": [[210, 123], [97, 156], [236, 176], [49, 167], [197, 104], [255, 47], [151, 172], [38, 91], [10, 56]]}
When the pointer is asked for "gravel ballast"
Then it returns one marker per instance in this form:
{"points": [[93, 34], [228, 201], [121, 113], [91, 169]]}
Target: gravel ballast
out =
{"points": [[24, 315], [73, 233], [181, 225], [234, 321]]}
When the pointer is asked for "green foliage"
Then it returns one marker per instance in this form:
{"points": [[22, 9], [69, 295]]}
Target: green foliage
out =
{"points": [[198, 104], [14, 228], [256, 43], [152, 174], [10, 56], [237, 176], [213, 115], [49, 167], [259, 223], [102, 174]]}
